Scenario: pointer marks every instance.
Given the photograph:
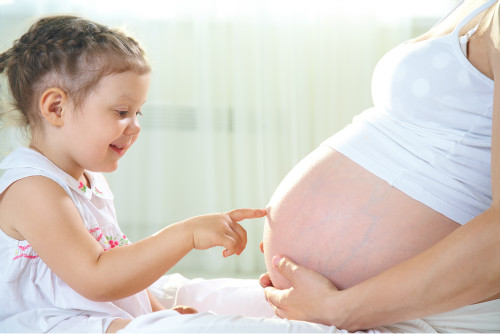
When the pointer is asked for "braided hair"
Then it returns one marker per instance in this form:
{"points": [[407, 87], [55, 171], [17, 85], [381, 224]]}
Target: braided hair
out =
{"points": [[67, 52]]}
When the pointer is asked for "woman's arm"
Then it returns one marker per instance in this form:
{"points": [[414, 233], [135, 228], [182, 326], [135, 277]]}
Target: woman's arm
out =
{"points": [[462, 269]]}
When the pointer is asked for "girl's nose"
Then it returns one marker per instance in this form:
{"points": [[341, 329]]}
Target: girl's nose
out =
{"points": [[134, 127]]}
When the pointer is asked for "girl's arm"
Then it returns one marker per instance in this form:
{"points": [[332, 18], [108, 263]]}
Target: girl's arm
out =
{"points": [[39, 210], [462, 269]]}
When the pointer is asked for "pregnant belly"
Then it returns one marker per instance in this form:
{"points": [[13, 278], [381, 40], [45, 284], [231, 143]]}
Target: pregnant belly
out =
{"points": [[333, 216]]}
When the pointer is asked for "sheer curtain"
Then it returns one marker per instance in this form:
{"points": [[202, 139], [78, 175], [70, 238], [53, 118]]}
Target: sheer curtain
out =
{"points": [[241, 91]]}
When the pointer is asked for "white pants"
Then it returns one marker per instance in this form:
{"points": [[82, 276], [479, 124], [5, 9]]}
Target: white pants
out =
{"points": [[238, 306]]}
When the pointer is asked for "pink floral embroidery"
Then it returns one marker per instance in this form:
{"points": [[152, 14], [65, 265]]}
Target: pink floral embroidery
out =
{"points": [[98, 191], [26, 252], [82, 187], [96, 233], [92, 230], [109, 241], [117, 240]]}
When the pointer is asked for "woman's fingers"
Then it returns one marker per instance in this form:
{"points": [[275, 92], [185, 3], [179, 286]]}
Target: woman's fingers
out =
{"points": [[285, 267], [265, 280], [306, 299], [275, 296]]}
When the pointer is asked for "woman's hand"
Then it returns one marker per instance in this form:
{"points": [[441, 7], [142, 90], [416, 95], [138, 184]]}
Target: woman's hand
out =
{"points": [[222, 230], [264, 279], [306, 300]]}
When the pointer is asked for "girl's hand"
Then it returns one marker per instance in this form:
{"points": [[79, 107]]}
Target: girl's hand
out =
{"points": [[308, 297], [183, 309], [222, 230]]}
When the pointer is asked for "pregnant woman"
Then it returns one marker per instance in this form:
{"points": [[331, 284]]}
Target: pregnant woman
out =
{"points": [[401, 209]]}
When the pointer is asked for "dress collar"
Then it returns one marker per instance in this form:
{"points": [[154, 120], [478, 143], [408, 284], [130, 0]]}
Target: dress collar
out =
{"points": [[25, 157], [98, 186]]}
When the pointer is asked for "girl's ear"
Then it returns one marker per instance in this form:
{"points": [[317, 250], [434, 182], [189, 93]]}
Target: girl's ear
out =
{"points": [[52, 105]]}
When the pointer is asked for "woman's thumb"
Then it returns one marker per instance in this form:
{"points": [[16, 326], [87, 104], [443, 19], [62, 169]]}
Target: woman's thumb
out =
{"points": [[285, 266]]}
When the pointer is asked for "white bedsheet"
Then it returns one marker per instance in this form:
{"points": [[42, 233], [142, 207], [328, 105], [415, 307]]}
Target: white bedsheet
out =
{"points": [[226, 296], [238, 306]]}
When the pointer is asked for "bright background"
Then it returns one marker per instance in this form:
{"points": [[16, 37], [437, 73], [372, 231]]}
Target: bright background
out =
{"points": [[241, 91]]}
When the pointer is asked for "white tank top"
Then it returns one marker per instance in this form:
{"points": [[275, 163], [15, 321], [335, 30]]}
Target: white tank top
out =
{"points": [[429, 132], [33, 298]]}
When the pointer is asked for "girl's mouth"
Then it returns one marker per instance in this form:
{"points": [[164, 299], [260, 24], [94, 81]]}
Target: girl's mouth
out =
{"points": [[120, 150]]}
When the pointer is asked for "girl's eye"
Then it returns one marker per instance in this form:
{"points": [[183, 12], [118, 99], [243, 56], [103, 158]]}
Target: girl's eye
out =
{"points": [[139, 113], [122, 113]]}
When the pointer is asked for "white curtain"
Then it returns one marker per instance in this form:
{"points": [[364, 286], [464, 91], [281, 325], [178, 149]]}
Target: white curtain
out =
{"points": [[241, 91]]}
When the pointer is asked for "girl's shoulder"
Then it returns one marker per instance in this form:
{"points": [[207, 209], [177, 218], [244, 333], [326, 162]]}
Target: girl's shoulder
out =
{"points": [[23, 195], [28, 179], [23, 163]]}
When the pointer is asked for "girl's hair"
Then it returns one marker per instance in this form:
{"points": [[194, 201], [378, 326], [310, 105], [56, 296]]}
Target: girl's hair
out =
{"points": [[68, 52]]}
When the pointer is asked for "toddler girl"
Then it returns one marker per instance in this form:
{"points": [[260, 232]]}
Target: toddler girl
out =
{"points": [[79, 87]]}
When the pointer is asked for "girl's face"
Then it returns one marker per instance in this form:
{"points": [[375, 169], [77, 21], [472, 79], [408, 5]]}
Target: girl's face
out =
{"points": [[107, 125]]}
